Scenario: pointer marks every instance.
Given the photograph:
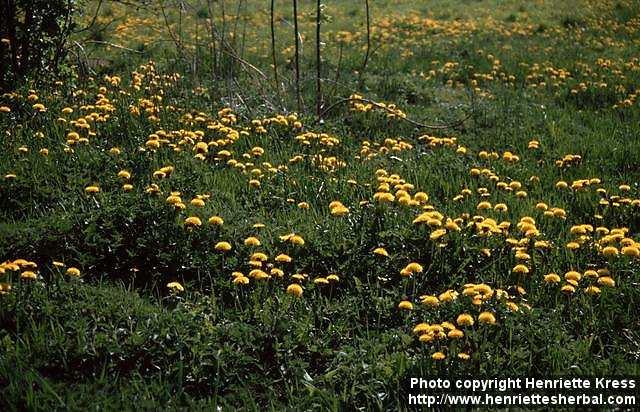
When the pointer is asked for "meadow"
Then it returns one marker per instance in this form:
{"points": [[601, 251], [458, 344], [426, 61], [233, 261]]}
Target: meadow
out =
{"points": [[179, 229]]}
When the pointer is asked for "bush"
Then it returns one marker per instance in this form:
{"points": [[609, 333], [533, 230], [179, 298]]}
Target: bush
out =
{"points": [[33, 35]]}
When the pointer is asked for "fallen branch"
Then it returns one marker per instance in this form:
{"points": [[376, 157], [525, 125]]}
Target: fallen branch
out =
{"points": [[244, 62], [117, 46], [394, 111]]}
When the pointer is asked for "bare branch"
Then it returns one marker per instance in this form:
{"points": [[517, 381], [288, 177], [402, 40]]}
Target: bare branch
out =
{"points": [[406, 119], [117, 46]]}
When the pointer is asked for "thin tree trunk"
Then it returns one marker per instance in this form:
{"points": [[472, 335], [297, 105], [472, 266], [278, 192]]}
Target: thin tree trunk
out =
{"points": [[234, 40], [8, 31], [297, 54], [66, 30], [235, 25], [180, 23], [318, 61], [366, 56], [212, 28], [338, 68], [244, 29], [25, 50], [197, 52], [223, 31], [273, 46]]}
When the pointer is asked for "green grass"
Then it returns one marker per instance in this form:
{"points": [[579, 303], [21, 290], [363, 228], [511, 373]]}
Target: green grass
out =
{"points": [[119, 337]]}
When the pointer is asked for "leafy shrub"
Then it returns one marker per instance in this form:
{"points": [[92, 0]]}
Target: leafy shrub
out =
{"points": [[33, 34]]}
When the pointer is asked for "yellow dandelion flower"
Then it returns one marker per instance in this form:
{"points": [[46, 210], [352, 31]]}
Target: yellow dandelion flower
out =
{"points": [[297, 240], [542, 206], [333, 278], [252, 241], [430, 300], [295, 290], [592, 274], [5, 288], [241, 280], [573, 275], [592, 290], [259, 256], [448, 296], [216, 221], [483, 205], [437, 234], [455, 334], [438, 356], [512, 306], [414, 267], [197, 202], [28, 275], [500, 207], [380, 251], [193, 221], [175, 287], [339, 210], [573, 245], [568, 289], [465, 320], [487, 318], [552, 278], [223, 246], [606, 281], [282, 258], [520, 269]]}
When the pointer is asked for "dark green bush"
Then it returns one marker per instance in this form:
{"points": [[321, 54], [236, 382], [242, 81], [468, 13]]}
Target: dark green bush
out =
{"points": [[33, 33]]}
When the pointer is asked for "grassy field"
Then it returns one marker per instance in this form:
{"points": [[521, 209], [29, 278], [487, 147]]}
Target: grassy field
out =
{"points": [[178, 241]]}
